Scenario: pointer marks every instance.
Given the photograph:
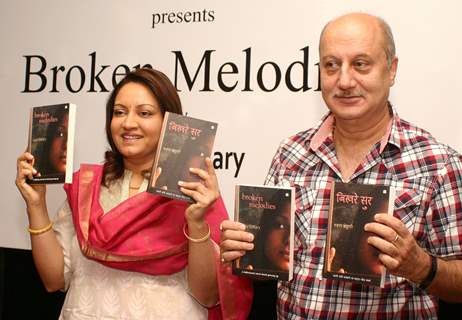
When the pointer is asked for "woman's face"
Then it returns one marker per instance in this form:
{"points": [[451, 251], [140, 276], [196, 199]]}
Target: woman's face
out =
{"points": [[277, 248], [136, 124], [58, 150]]}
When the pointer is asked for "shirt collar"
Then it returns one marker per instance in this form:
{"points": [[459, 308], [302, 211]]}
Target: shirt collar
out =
{"points": [[393, 135], [324, 131], [396, 136]]}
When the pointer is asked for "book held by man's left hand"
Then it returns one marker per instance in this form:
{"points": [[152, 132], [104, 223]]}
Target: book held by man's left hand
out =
{"points": [[51, 142], [348, 255]]}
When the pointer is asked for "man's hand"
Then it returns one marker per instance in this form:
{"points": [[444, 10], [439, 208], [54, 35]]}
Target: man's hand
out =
{"points": [[399, 251], [235, 241]]}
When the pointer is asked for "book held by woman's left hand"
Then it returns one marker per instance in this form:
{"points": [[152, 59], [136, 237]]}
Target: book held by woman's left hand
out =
{"points": [[51, 142], [184, 143]]}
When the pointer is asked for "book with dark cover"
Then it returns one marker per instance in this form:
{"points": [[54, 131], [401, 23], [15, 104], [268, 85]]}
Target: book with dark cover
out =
{"points": [[51, 142], [184, 143], [268, 213], [348, 256]]}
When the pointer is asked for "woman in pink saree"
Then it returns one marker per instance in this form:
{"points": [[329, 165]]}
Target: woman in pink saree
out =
{"points": [[123, 253]]}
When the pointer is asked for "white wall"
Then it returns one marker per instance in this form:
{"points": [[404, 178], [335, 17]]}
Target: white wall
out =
{"points": [[65, 33]]}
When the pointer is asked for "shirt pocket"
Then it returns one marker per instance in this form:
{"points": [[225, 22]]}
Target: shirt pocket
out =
{"points": [[406, 206]]}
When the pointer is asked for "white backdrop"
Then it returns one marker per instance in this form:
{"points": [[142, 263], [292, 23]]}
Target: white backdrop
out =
{"points": [[72, 35]]}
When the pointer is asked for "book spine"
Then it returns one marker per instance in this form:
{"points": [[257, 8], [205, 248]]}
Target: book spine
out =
{"points": [[292, 233], [327, 257], [237, 192], [152, 182], [70, 143], [29, 140], [391, 207]]}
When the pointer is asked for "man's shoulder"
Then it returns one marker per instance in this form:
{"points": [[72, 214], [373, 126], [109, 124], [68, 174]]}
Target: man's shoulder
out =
{"points": [[298, 141], [419, 141], [293, 152]]}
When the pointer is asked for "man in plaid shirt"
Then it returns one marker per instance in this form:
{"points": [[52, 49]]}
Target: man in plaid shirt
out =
{"points": [[363, 140]]}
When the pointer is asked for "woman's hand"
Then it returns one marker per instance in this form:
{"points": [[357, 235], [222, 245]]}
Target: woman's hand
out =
{"points": [[46, 250], [204, 193], [34, 195], [201, 256]]}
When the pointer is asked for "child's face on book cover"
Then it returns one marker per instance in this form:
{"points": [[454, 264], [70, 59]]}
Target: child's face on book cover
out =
{"points": [[58, 150], [277, 249], [368, 255], [136, 123]]}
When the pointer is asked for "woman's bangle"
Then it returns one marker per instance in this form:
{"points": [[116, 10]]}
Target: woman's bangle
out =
{"points": [[203, 239], [40, 231]]}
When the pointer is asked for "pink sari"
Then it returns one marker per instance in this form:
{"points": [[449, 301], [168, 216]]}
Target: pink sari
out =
{"points": [[144, 234]]}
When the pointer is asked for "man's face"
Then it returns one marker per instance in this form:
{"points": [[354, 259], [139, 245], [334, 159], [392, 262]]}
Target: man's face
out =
{"points": [[355, 77]]}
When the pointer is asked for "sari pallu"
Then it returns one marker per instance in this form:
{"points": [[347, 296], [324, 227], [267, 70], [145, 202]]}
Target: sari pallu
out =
{"points": [[145, 234]]}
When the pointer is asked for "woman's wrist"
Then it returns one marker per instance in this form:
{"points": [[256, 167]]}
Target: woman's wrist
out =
{"points": [[198, 223], [195, 234], [37, 213], [36, 204], [34, 207], [37, 231], [197, 229]]}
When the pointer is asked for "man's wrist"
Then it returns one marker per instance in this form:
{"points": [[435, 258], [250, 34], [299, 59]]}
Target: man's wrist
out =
{"points": [[425, 283]]}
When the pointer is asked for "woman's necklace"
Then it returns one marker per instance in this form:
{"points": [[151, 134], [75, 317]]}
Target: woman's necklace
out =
{"points": [[131, 185]]}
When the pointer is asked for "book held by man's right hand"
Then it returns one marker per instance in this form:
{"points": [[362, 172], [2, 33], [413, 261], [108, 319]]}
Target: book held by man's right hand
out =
{"points": [[268, 213]]}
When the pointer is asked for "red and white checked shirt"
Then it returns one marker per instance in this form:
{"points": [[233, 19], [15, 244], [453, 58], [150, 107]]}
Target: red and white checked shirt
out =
{"points": [[427, 177]]}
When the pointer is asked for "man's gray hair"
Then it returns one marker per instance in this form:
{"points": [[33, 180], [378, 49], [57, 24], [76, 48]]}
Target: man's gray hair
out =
{"points": [[390, 49]]}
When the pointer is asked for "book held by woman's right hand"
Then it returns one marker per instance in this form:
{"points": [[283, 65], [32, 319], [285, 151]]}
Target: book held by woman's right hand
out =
{"points": [[51, 142]]}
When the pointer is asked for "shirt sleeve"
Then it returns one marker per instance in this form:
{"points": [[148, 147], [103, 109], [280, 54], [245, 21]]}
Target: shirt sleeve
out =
{"points": [[272, 178], [446, 210], [65, 233]]}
